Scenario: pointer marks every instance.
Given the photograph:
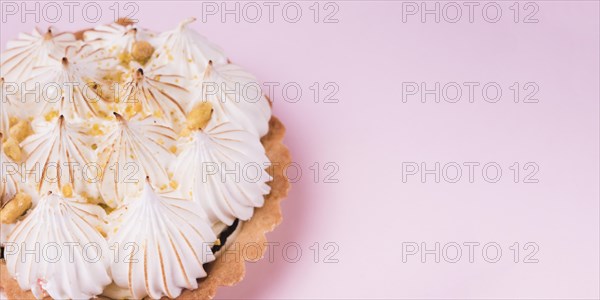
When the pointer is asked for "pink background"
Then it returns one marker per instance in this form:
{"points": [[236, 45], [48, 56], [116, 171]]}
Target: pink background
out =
{"points": [[370, 212]]}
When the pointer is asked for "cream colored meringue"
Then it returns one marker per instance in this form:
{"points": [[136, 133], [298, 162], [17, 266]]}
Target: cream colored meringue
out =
{"points": [[236, 97], [223, 169], [116, 38], [32, 50], [57, 252], [185, 51], [59, 153], [163, 243], [157, 94], [132, 151], [70, 85]]}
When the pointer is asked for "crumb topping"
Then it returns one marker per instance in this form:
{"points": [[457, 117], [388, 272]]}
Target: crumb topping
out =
{"points": [[142, 51], [12, 149], [15, 208], [21, 130], [199, 117]]}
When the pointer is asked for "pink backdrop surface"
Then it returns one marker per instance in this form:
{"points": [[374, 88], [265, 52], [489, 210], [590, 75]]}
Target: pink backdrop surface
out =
{"points": [[358, 208]]}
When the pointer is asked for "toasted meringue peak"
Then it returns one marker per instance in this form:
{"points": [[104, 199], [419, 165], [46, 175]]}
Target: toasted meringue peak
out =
{"points": [[185, 51], [165, 242], [9, 177], [32, 50], [59, 154], [236, 96], [155, 93], [71, 84], [133, 150], [223, 169], [72, 256], [116, 38]]}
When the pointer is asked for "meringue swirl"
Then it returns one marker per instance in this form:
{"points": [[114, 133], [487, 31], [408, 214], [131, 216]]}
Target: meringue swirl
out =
{"points": [[59, 154], [57, 252], [185, 51], [164, 243], [70, 84], [155, 94], [205, 162], [236, 96], [133, 150], [32, 50], [116, 38]]}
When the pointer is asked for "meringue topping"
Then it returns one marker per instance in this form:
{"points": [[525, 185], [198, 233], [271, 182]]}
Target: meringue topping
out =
{"points": [[58, 154], [155, 93], [236, 97], [164, 243], [32, 50], [57, 252], [185, 51], [71, 84], [159, 131], [223, 169], [134, 149], [118, 40]]}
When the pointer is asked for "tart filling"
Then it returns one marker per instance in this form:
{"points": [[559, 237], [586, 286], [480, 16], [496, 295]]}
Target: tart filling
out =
{"points": [[141, 155]]}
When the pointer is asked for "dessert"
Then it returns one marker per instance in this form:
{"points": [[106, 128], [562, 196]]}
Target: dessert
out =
{"points": [[133, 156]]}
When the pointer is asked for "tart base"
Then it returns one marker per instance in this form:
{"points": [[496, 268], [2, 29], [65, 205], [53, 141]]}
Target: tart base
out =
{"points": [[230, 267]]}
